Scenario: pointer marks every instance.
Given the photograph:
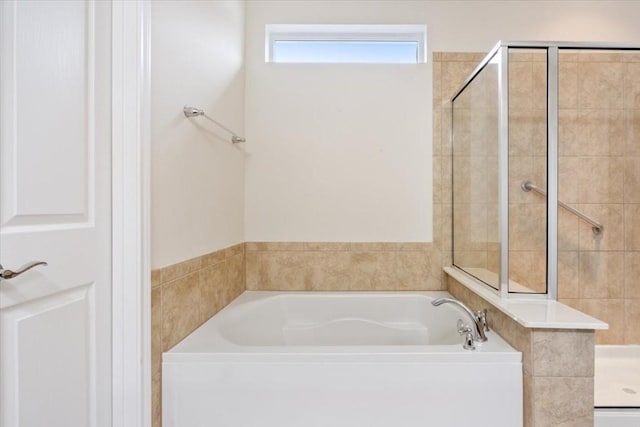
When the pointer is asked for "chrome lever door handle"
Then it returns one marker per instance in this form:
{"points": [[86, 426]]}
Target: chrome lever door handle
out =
{"points": [[8, 274]]}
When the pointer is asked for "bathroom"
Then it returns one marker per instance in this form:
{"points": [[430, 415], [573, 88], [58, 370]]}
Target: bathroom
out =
{"points": [[344, 179], [345, 172], [345, 188]]}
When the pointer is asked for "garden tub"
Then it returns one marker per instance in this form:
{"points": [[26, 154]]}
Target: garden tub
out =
{"points": [[374, 359]]}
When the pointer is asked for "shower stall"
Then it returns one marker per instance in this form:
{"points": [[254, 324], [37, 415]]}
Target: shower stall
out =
{"points": [[546, 189]]}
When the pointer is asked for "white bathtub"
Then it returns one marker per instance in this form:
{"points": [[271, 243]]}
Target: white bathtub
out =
{"points": [[274, 359]]}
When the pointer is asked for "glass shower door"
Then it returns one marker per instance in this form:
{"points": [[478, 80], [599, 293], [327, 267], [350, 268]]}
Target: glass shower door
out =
{"points": [[475, 176]]}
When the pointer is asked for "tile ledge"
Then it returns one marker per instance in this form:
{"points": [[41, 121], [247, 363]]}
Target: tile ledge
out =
{"points": [[531, 313]]}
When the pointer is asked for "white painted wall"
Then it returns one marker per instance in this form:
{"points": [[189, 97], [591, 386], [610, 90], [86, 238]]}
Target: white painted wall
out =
{"points": [[197, 203], [343, 152], [336, 152], [475, 26]]}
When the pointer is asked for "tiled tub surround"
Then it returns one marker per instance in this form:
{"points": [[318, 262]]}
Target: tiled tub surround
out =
{"points": [[184, 296], [306, 266], [558, 365], [187, 294]]}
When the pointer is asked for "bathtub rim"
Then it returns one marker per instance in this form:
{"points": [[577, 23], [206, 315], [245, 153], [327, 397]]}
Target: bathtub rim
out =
{"points": [[208, 344]]}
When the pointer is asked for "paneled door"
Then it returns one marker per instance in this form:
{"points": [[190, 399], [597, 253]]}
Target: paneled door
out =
{"points": [[55, 145]]}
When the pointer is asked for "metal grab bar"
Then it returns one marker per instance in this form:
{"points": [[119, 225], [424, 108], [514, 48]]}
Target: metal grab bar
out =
{"points": [[597, 227]]}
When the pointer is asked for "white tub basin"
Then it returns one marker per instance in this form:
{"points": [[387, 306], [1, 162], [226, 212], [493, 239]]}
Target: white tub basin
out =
{"points": [[339, 359]]}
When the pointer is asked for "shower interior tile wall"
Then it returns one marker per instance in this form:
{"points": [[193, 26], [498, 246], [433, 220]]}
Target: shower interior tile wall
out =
{"points": [[527, 162], [599, 174], [599, 168]]}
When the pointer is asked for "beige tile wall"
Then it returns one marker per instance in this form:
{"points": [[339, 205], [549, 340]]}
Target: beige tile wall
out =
{"points": [[450, 70], [475, 164], [600, 175], [527, 162], [304, 266], [184, 296], [558, 366]]}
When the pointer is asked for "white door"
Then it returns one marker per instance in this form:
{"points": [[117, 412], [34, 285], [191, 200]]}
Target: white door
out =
{"points": [[55, 144]]}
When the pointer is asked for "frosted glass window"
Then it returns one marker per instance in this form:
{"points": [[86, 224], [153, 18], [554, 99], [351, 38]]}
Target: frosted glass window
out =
{"points": [[346, 52], [373, 44]]}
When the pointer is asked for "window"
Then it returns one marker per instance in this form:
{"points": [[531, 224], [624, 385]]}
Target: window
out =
{"points": [[379, 44]]}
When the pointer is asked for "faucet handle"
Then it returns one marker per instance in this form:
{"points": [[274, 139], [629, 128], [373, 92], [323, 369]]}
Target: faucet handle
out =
{"points": [[482, 317], [467, 332], [463, 328]]}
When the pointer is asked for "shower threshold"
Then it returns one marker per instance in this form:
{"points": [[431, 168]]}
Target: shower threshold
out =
{"points": [[617, 376]]}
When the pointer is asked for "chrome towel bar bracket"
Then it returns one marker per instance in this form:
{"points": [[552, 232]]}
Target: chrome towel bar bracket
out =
{"points": [[192, 112]]}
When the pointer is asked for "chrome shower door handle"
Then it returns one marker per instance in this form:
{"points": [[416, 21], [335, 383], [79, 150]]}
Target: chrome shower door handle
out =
{"points": [[8, 274]]}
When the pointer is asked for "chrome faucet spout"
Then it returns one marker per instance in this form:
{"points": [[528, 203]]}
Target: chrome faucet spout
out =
{"points": [[478, 319]]}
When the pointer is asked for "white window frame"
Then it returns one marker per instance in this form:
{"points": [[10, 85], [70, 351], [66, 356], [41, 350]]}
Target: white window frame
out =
{"points": [[416, 33]]}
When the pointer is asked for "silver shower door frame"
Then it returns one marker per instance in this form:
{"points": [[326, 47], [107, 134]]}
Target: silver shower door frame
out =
{"points": [[501, 52]]}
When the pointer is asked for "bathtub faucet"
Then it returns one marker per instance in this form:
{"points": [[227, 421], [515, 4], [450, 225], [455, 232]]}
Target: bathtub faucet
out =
{"points": [[478, 319]]}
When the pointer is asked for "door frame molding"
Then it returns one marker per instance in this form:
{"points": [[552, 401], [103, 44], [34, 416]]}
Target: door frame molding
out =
{"points": [[131, 297]]}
